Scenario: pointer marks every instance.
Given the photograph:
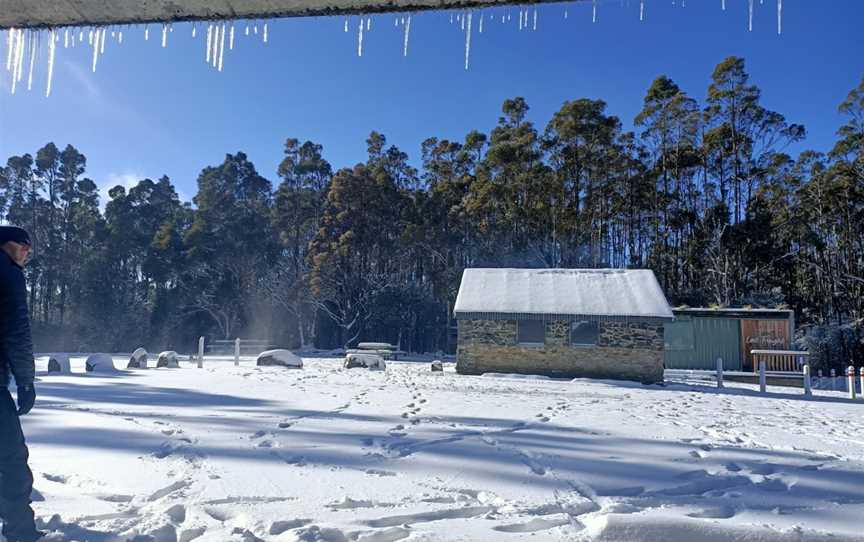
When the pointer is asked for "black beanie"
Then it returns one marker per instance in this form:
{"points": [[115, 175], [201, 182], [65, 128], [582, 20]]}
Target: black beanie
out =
{"points": [[14, 233]]}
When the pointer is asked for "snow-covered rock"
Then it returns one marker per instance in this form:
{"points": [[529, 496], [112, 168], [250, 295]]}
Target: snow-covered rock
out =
{"points": [[279, 358], [100, 363], [367, 361], [59, 363], [437, 366], [138, 359], [168, 359]]}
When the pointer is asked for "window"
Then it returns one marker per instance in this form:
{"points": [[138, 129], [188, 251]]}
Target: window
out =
{"points": [[584, 333], [531, 331]]}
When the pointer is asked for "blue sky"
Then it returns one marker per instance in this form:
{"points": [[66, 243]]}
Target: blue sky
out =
{"points": [[149, 111]]}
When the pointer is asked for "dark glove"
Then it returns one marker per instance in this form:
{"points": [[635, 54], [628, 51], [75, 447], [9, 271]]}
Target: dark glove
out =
{"points": [[26, 398]]}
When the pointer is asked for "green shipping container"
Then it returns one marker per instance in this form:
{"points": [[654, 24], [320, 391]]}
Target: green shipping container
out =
{"points": [[696, 343]]}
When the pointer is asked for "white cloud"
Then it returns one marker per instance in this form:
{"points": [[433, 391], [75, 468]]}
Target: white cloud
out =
{"points": [[127, 180]]}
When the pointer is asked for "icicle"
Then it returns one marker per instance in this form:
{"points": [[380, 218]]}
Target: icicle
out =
{"points": [[95, 50], [368, 24], [520, 19], [113, 34], [80, 36], [779, 17], [73, 41], [451, 17], [214, 56], [222, 45], [535, 19], [255, 29], [10, 43], [565, 13], [90, 38], [481, 24], [346, 26], [360, 39], [594, 12], [17, 42], [396, 22], [641, 10], [146, 33], [247, 29], [231, 39], [723, 4], [750, 23], [266, 32], [120, 37], [462, 21], [51, 51], [194, 30], [66, 39], [502, 19], [102, 42], [468, 41], [32, 61], [20, 61], [209, 42], [405, 38], [164, 35]]}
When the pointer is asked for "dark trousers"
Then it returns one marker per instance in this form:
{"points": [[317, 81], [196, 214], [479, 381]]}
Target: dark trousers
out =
{"points": [[16, 480]]}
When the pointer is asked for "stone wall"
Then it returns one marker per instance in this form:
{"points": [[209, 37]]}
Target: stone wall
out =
{"points": [[625, 350]]}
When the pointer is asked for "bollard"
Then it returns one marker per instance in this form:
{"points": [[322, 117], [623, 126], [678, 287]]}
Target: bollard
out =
{"points": [[862, 382], [720, 373], [850, 377], [833, 380], [201, 353], [762, 382], [807, 389], [236, 351]]}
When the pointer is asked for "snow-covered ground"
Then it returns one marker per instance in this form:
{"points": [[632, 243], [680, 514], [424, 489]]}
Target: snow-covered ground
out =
{"points": [[324, 453]]}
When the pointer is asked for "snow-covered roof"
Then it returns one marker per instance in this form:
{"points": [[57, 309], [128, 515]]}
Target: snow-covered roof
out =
{"points": [[630, 293]]}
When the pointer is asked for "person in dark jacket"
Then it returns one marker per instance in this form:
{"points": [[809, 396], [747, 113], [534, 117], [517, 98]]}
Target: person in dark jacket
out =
{"points": [[16, 357]]}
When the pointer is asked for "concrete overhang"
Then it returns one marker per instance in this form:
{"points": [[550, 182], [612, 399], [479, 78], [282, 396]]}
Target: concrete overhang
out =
{"points": [[59, 13]]}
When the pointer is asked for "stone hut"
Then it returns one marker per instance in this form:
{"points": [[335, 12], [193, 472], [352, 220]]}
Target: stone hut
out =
{"points": [[595, 323]]}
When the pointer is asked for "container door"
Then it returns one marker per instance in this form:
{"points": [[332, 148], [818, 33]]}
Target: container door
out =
{"points": [[763, 335]]}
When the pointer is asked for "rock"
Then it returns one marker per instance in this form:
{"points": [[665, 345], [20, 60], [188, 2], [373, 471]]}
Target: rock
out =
{"points": [[279, 358], [100, 363], [191, 534], [59, 363], [366, 361], [437, 366], [138, 359], [168, 359]]}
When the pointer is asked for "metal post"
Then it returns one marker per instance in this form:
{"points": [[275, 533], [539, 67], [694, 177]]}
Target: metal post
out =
{"points": [[762, 381], [850, 377], [236, 351], [201, 353], [720, 373], [807, 389], [862, 382], [833, 380]]}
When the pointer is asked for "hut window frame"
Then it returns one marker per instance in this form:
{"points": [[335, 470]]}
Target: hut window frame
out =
{"points": [[588, 340], [527, 332]]}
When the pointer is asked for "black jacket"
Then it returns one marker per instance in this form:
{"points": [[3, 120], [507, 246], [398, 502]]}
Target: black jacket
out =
{"points": [[16, 344]]}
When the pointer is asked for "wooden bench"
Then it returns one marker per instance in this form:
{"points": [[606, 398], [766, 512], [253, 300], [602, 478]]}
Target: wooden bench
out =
{"points": [[385, 350]]}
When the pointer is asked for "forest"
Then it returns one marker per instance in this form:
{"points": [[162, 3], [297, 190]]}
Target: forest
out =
{"points": [[705, 194]]}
